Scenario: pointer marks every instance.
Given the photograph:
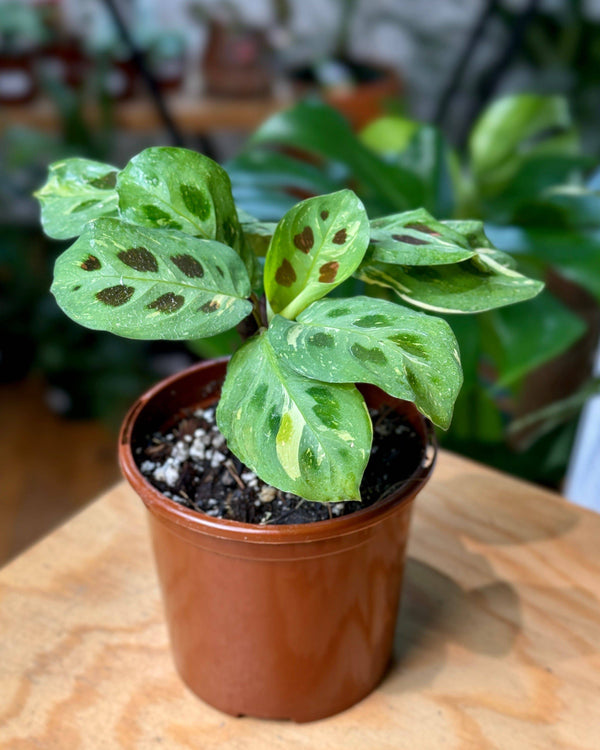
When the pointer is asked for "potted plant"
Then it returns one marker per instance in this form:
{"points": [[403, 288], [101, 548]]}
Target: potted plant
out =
{"points": [[281, 620]]}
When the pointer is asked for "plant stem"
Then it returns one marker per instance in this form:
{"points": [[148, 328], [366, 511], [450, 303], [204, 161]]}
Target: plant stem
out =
{"points": [[259, 310], [254, 321]]}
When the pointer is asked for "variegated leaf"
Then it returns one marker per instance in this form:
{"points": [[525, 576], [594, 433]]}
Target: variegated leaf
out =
{"points": [[77, 191], [299, 435], [147, 283], [175, 188], [409, 354], [415, 238], [316, 246], [483, 282]]}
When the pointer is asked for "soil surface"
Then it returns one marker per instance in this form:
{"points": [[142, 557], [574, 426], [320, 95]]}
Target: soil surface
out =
{"points": [[192, 465]]}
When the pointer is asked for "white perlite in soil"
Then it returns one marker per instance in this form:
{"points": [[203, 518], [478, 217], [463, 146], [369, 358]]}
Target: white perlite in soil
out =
{"points": [[192, 465], [203, 451]]}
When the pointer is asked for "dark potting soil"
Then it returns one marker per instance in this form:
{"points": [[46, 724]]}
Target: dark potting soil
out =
{"points": [[192, 465]]}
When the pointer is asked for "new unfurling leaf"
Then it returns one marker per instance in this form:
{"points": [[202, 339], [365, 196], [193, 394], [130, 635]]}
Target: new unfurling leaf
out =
{"points": [[316, 246]]}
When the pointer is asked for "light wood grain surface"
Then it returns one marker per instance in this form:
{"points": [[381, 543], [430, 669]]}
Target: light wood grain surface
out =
{"points": [[497, 646]]}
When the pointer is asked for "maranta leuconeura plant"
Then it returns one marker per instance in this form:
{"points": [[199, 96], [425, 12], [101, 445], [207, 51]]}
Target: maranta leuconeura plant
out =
{"points": [[162, 253]]}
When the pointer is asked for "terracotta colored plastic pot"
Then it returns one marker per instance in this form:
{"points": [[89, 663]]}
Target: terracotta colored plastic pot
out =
{"points": [[235, 62], [293, 621]]}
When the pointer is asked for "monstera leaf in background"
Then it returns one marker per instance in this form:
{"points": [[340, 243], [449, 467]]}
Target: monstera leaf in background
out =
{"points": [[524, 175]]}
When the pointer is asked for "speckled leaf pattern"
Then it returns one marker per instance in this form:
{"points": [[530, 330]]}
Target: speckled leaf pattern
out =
{"points": [[175, 188], [415, 238], [147, 283], [316, 246], [77, 191], [299, 435], [409, 354], [484, 282]]}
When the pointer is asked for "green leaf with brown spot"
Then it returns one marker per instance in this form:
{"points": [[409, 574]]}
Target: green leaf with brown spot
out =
{"points": [[175, 188], [299, 435], [317, 245], [409, 354], [483, 282], [146, 283], [415, 238], [77, 191]]}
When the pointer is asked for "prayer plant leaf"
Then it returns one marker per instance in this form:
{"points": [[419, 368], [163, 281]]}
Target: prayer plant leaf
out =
{"points": [[408, 354], [483, 282], [77, 191], [415, 238], [257, 233], [316, 246], [175, 188], [147, 283], [300, 435]]}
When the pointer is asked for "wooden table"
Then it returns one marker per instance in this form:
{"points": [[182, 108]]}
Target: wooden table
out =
{"points": [[498, 641]]}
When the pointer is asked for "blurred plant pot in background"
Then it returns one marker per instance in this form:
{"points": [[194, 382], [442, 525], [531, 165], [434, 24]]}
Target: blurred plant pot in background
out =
{"points": [[17, 80], [359, 90], [284, 622], [119, 78], [65, 61], [235, 62], [167, 59]]}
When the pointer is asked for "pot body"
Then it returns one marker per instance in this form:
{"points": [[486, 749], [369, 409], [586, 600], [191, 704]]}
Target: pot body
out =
{"points": [[283, 622]]}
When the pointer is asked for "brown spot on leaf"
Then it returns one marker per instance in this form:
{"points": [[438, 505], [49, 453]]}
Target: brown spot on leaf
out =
{"points": [[285, 274], [91, 263], [305, 240], [328, 272], [76, 288], [139, 259], [408, 239], [106, 182], [324, 215], [167, 303], [423, 228], [211, 306], [115, 296], [188, 265], [340, 237]]}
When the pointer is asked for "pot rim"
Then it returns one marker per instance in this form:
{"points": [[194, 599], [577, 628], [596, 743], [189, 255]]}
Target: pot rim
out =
{"points": [[173, 512]]}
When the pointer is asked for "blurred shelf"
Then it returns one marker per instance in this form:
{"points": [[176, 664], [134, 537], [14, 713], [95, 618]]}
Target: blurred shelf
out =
{"points": [[192, 114]]}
